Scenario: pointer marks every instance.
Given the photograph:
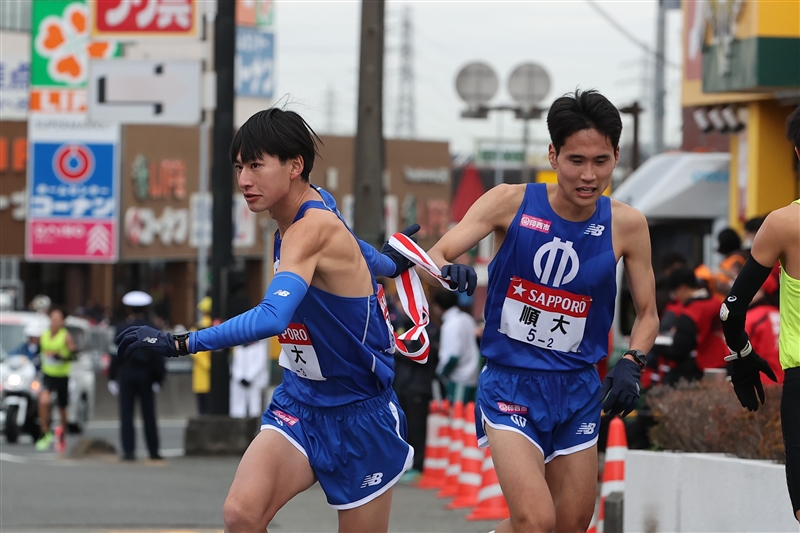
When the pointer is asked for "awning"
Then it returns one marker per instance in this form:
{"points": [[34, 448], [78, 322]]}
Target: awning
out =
{"points": [[679, 185]]}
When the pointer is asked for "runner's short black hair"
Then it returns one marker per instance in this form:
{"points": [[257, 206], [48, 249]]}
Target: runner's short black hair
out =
{"points": [[793, 128], [279, 133], [583, 110]]}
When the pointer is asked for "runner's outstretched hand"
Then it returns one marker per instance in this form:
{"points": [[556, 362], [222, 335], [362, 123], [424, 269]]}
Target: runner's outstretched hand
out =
{"points": [[135, 337], [746, 378], [462, 277], [400, 261]]}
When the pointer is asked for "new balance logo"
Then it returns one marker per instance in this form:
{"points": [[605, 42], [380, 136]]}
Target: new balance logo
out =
{"points": [[281, 292], [586, 429], [518, 420], [151, 340], [595, 230], [372, 479]]}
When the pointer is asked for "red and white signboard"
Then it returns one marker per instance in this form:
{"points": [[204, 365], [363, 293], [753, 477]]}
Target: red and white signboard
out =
{"points": [[145, 18], [77, 240]]}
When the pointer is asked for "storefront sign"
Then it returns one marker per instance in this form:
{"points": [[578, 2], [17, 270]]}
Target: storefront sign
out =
{"points": [[13, 168], [255, 61], [14, 81], [72, 190], [145, 18]]}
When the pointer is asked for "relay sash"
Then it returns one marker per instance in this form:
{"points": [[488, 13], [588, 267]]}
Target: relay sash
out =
{"points": [[412, 296]]}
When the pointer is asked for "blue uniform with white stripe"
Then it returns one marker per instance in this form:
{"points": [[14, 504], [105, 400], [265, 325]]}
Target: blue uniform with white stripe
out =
{"points": [[549, 308], [335, 404]]}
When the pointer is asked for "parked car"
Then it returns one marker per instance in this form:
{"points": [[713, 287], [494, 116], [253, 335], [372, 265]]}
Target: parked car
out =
{"points": [[82, 375]]}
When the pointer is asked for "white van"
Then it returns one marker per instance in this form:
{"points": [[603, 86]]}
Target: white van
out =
{"points": [[684, 196]]}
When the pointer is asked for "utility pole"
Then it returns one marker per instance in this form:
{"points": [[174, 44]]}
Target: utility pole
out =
{"points": [[659, 80], [222, 191], [634, 110], [369, 150]]}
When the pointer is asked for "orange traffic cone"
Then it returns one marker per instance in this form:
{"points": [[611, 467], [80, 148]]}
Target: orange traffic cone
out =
{"points": [[436, 448], [491, 503], [470, 477], [614, 469], [450, 488]]}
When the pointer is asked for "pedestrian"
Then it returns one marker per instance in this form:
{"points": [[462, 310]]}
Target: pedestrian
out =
{"points": [[778, 239], [140, 374], [334, 419], [249, 378], [697, 343], [458, 349], [549, 307], [201, 361], [57, 350]]}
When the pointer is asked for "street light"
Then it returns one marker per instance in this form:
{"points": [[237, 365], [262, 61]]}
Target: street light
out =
{"points": [[528, 84]]}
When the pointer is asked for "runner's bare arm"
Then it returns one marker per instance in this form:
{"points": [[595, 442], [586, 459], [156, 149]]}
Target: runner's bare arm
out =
{"points": [[494, 210], [768, 244], [639, 273]]}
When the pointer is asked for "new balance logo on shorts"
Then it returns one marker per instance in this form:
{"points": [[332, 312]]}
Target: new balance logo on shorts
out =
{"points": [[372, 479], [518, 420], [151, 340], [595, 230], [586, 429]]}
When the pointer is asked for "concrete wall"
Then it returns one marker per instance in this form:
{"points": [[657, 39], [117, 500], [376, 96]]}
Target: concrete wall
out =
{"points": [[673, 492]]}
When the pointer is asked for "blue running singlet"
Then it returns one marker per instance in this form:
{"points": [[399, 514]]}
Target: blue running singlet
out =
{"points": [[552, 288], [336, 350]]}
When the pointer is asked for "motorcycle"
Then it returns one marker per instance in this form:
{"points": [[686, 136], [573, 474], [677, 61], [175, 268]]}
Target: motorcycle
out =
{"points": [[20, 397]]}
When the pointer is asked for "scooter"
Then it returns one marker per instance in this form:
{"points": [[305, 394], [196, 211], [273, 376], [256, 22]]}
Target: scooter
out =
{"points": [[20, 397]]}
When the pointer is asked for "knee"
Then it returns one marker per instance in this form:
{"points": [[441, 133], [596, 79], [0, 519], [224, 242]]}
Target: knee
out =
{"points": [[530, 521], [240, 518]]}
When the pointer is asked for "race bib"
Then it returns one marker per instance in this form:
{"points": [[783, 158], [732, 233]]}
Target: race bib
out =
{"points": [[298, 354], [543, 316]]}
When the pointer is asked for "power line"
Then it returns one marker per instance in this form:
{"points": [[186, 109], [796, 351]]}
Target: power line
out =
{"points": [[628, 35]]}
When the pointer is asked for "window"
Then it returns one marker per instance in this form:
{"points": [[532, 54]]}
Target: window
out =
{"points": [[15, 15]]}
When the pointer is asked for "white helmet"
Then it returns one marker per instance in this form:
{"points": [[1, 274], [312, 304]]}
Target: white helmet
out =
{"points": [[35, 328]]}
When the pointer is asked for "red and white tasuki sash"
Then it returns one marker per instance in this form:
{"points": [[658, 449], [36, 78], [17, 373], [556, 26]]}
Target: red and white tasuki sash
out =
{"points": [[412, 297]]}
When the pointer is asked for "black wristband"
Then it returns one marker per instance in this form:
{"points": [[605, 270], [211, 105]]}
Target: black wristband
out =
{"points": [[183, 349]]}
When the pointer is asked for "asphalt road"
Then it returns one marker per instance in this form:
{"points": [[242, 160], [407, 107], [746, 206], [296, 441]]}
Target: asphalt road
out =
{"points": [[42, 492]]}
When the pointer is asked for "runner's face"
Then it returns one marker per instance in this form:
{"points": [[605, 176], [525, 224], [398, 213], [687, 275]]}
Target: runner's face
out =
{"points": [[584, 166], [265, 181]]}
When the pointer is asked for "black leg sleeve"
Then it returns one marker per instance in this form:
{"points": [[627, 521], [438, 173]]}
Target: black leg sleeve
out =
{"points": [[790, 423]]}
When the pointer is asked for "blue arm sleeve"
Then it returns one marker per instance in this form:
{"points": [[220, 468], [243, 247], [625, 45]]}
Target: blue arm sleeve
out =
{"points": [[380, 264], [267, 319]]}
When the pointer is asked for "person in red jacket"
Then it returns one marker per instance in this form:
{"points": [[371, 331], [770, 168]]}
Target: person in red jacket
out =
{"points": [[697, 343], [763, 325]]}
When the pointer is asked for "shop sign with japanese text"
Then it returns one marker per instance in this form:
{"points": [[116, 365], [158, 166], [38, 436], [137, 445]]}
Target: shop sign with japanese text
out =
{"points": [[72, 190], [145, 18], [14, 80], [61, 49], [255, 61]]}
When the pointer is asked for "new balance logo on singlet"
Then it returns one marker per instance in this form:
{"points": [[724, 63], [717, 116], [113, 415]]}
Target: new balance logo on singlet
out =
{"points": [[372, 480], [595, 230]]}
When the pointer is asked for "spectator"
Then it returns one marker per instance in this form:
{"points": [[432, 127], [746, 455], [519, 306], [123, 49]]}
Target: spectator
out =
{"points": [[201, 362], [763, 325], [697, 343], [730, 247], [249, 378], [458, 349]]}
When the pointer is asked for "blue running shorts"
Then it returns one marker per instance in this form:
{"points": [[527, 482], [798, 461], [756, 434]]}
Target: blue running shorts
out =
{"points": [[357, 451], [559, 412]]}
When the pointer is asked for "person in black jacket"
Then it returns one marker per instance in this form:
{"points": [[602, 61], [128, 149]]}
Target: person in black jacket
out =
{"points": [[140, 375]]}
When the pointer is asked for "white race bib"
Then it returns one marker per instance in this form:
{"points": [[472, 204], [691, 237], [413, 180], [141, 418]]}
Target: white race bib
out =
{"points": [[544, 317], [298, 354]]}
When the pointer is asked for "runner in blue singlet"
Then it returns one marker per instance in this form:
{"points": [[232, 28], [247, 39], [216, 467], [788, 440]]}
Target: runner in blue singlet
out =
{"points": [[335, 418], [549, 307]]}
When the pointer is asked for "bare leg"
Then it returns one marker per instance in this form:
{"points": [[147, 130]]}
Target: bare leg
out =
{"points": [[372, 517], [44, 411], [271, 472], [573, 484], [521, 472], [62, 411]]}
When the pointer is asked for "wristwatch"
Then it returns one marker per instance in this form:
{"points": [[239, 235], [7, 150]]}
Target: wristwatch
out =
{"points": [[181, 338], [639, 356]]}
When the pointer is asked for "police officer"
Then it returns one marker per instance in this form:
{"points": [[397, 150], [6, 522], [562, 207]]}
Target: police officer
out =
{"points": [[141, 374]]}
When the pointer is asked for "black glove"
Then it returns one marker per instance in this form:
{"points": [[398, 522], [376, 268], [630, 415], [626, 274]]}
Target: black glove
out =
{"points": [[620, 392], [136, 337], [401, 262], [746, 379], [462, 277], [244, 383]]}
